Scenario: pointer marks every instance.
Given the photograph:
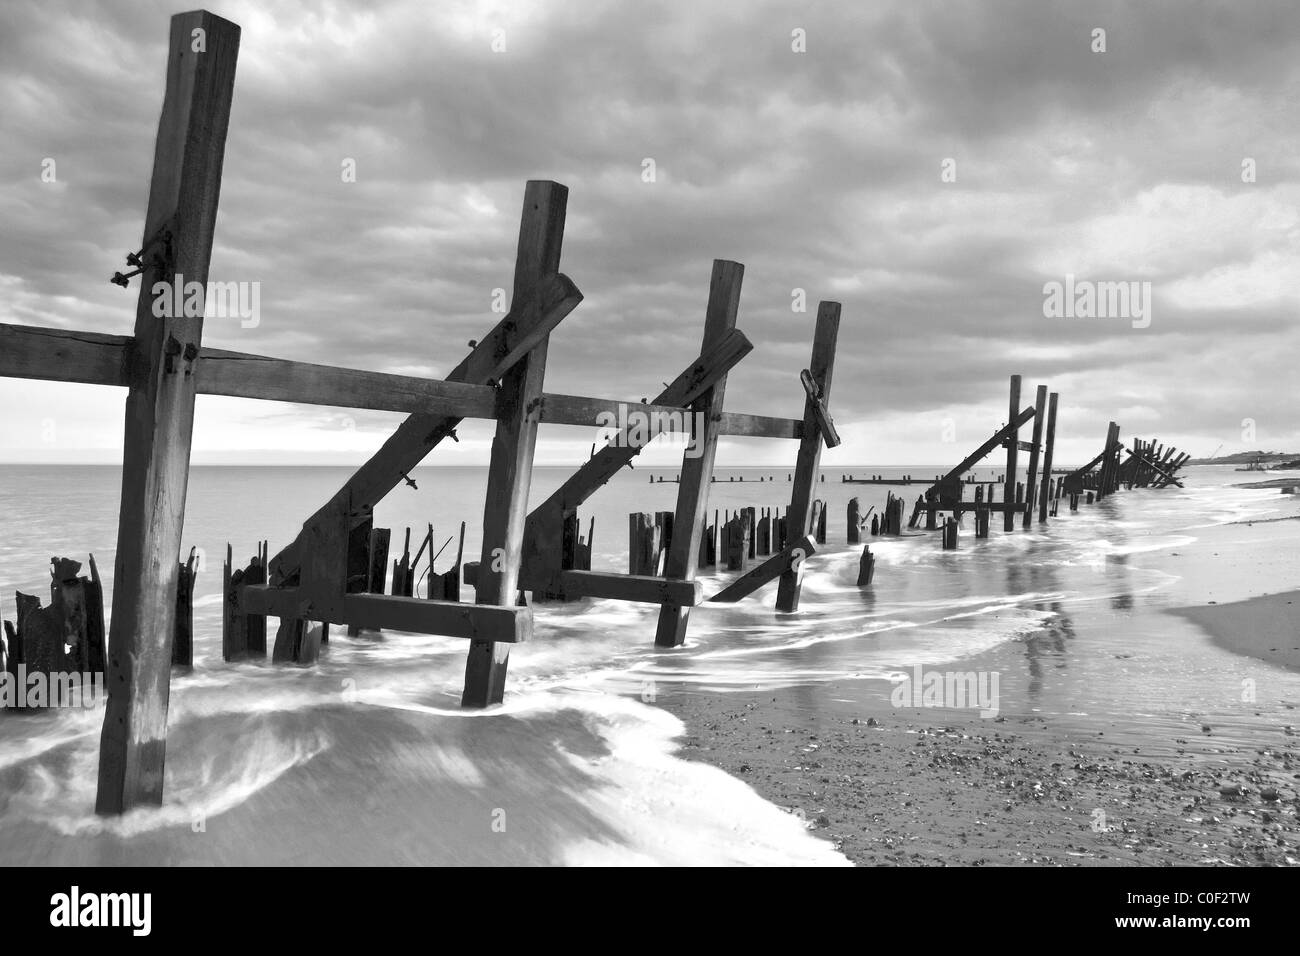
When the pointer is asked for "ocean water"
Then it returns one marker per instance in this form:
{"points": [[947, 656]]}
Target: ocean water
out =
{"points": [[367, 757]]}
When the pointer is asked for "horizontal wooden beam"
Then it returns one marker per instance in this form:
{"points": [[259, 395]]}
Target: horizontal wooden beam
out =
{"points": [[636, 588], [92, 358], [241, 375], [739, 424], [768, 571], [61, 355], [503, 625]]}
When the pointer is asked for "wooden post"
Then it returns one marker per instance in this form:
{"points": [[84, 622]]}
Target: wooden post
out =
{"points": [[697, 472], [519, 400], [866, 566], [854, 525], [183, 195], [737, 543], [1031, 482], [183, 641], [1013, 450], [1049, 441], [822, 365]]}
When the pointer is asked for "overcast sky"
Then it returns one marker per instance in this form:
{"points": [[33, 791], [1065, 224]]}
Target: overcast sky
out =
{"points": [[820, 170]]}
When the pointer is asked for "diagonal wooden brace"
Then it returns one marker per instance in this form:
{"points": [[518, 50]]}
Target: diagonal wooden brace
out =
{"points": [[791, 558]]}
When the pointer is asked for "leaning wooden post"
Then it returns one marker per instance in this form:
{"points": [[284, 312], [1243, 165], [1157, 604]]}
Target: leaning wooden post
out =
{"points": [[1031, 481], [799, 514], [160, 408], [1013, 450], [1048, 443], [519, 410], [693, 492]]}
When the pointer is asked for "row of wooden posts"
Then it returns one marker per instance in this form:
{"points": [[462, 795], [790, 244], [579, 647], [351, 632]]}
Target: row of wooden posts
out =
{"points": [[713, 479], [324, 575]]}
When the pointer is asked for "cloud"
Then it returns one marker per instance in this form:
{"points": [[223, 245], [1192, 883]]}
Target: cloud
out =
{"points": [[818, 170]]}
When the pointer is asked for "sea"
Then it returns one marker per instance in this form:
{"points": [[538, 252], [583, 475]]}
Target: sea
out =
{"points": [[367, 758]]}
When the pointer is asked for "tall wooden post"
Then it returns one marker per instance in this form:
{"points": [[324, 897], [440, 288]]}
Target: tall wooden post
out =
{"points": [[178, 234], [1107, 461], [519, 410], [693, 492], [1013, 452], [1031, 481], [1049, 443], [799, 515]]}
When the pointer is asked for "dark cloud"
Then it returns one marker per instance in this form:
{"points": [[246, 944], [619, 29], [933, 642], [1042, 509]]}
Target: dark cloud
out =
{"points": [[819, 170]]}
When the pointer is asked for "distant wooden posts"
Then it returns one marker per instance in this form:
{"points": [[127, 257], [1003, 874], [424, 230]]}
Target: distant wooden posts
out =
{"points": [[183, 641], [1013, 451], [519, 400], [820, 368], [1031, 480], [853, 525], [891, 521], [177, 240], [1048, 447]]}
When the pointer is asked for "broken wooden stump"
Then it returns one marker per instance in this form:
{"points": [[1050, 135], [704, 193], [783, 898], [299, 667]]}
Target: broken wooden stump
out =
{"points": [[53, 653], [737, 543], [950, 534], [183, 639], [243, 636], [853, 526], [450, 580], [818, 523], [866, 566]]}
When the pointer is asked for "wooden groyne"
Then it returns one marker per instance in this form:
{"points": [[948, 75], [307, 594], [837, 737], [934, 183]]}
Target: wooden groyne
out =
{"points": [[334, 571]]}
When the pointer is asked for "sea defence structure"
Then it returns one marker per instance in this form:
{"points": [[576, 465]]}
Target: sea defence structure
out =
{"points": [[334, 570]]}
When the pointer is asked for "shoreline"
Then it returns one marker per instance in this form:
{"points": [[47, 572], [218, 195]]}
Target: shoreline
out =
{"points": [[935, 787]]}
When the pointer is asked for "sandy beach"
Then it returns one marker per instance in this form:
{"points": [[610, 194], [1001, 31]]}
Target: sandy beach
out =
{"points": [[946, 787], [1151, 727]]}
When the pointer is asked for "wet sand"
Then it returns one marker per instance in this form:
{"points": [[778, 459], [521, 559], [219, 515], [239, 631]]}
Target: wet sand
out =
{"points": [[1266, 627], [946, 787]]}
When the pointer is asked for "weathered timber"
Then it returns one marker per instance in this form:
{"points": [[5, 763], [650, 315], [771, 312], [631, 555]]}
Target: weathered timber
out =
{"points": [[178, 234], [1013, 450], [1031, 481], [1049, 443], [510, 470], [511, 625], [821, 368], [787, 559]]}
